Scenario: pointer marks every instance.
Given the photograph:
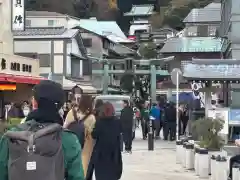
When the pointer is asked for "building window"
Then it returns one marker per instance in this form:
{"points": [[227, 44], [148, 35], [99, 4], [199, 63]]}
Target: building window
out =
{"points": [[212, 30], [202, 31], [191, 31], [165, 67], [44, 60], [184, 64], [75, 67], [87, 42], [50, 22], [45, 5], [87, 68], [28, 23], [105, 44]]}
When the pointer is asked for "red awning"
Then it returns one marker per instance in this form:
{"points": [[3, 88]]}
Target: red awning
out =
{"points": [[20, 79]]}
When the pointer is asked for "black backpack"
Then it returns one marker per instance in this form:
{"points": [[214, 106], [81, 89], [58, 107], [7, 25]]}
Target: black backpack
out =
{"points": [[78, 128], [36, 152]]}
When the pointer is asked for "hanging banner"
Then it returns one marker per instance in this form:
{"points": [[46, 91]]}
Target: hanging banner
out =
{"points": [[18, 15]]}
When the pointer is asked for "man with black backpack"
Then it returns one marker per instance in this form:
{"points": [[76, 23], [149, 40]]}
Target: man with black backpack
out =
{"points": [[40, 148]]}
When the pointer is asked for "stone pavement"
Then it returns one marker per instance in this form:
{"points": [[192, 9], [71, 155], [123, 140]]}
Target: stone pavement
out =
{"points": [[159, 164]]}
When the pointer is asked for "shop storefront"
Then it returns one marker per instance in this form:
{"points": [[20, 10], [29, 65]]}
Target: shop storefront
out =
{"points": [[18, 75]]}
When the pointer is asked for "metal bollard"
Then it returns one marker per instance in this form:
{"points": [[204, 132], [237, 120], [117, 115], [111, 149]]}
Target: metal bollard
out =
{"points": [[178, 151], [150, 136], [223, 174], [203, 163], [235, 172], [212, 167], [217, 167], [184, 154], [196, 163], [189, 156]]}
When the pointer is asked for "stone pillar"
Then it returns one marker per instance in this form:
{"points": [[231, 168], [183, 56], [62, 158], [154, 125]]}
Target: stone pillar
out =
{"points": [[6, 38]]}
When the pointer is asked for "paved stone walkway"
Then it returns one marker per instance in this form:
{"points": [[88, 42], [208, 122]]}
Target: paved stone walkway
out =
{"points": [[153, 165]]}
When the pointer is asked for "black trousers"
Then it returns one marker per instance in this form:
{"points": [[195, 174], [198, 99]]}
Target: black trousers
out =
{"points": [[234, 159], [170, 129], [127, 139], [184, 123], [144, 125], [158, 125]]}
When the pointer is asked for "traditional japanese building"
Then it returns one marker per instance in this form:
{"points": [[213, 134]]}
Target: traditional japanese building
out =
{"points": [[229, 31], [197, 41]]}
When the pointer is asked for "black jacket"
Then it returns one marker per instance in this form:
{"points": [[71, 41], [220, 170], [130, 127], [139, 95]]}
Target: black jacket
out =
{"points": [[127, 118], [106, 159], [170, 114]]}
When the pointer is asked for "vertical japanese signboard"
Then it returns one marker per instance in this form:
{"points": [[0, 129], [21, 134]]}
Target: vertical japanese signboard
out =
{"points": [[18, 15]]}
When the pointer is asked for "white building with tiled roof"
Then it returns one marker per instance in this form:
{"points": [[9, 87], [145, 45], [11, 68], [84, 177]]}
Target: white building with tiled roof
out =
{"points": [[100, 38], [49, 19], [60, 52]]}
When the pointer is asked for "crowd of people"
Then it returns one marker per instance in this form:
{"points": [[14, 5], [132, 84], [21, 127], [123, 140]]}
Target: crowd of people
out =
{"points": [[16, 110], [163, 117], [67, 144], [74, 140]]}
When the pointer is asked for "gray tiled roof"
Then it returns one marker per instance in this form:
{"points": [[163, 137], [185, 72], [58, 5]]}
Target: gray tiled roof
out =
{"points": [[192, 44], [123, 50], [213, 5], [203, 15], [58, 32], [43, 13], [40, 31], [212, 71], [138, 10]]}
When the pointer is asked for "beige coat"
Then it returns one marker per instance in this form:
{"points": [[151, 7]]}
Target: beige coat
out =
{"points": [[89, 142]]}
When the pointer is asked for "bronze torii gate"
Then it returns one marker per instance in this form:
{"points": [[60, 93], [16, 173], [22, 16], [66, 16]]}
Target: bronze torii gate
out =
{"points": [[153, 71]]}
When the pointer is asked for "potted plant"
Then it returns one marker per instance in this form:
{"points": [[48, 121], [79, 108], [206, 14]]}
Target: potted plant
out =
{"points": [[207, 132]]}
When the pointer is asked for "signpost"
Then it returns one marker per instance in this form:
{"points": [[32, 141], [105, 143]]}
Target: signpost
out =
{"points": [[176, 77]]}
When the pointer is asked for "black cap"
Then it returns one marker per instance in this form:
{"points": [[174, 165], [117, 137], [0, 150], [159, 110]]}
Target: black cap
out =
{"points": [[49, 91]]}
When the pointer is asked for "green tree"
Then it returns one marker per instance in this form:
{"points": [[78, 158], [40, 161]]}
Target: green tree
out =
{"points": [[148, 50]]}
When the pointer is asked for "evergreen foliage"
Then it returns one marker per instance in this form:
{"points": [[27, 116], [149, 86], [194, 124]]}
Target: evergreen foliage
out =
{"points": [[206, 131]]}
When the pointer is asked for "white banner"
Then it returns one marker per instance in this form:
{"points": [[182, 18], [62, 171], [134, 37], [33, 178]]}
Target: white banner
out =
{"points": [[18, 15]]}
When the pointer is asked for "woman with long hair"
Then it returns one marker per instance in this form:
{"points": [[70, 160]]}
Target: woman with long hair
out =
{"points": [[83, 112], [97, 109], [106, 157]]}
